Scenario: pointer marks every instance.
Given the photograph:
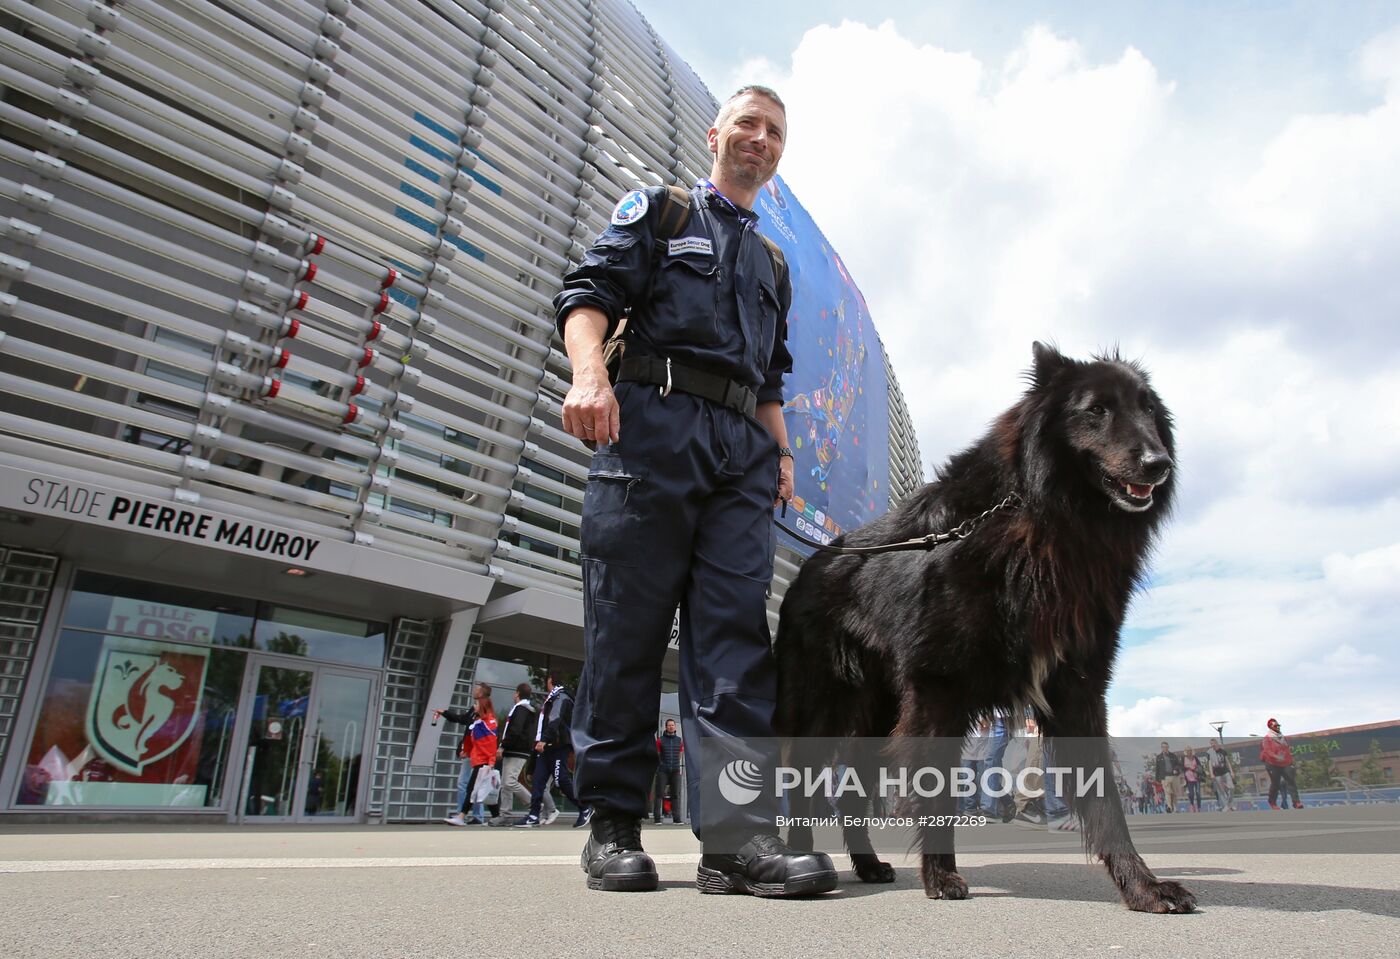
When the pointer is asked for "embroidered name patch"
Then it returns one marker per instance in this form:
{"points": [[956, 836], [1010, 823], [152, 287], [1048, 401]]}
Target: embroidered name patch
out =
{"points": [[630, 208], [690, 244]]}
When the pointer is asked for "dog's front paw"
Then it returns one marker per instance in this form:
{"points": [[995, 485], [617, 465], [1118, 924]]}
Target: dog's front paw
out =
{"points": [[870, 869], [941, 884], [1161, 895]]}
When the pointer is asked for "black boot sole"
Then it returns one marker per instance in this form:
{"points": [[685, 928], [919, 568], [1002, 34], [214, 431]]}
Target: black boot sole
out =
{"points": [[638, 882], [716, 883]]}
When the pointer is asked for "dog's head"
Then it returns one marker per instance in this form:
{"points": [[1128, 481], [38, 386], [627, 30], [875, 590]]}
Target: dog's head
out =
{"points": [[1105, 415]]}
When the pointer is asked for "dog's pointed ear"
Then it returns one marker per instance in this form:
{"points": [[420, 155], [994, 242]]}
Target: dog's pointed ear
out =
{"points": [[1048, 362]]}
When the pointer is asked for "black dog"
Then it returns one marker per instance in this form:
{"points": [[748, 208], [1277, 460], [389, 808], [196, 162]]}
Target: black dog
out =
{"points": [[1025, 611]]}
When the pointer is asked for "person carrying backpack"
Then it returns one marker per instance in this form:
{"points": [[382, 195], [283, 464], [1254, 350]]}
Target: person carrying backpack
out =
{"points": [[691, 458], [552, 748]]}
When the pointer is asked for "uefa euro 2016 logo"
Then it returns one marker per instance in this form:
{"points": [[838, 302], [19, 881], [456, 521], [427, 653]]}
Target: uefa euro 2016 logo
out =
{"points": [[740, 782]]}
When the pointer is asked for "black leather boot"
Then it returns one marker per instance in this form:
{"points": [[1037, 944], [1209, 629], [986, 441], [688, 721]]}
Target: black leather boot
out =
{"points": [[613, 856], [765, 866]]}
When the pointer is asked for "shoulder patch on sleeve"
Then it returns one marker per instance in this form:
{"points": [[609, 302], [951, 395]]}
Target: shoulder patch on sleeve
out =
{"points": [[630, 208]]}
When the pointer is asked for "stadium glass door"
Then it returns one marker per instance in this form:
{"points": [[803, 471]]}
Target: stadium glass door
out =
{"points": [[303, 759]]}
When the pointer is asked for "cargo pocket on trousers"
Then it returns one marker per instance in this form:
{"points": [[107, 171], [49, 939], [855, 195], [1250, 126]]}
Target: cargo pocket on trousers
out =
{"points": [[612, 520]]}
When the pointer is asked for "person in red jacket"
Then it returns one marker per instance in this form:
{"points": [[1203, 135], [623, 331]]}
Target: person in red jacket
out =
{"points": [[477, 752], [1278, 759]]}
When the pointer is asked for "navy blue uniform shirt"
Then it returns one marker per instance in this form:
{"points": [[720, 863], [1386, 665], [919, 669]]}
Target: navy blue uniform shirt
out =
{"points": [[712, 303]]}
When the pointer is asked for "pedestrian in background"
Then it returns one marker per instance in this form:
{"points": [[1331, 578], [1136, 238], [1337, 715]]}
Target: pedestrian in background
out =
{"points": [[1222, 775], [1278, 759], [999, 735], [1191, 773], [553, 737], [477, 750], [977, 747], [670, 752], [516, 748], [1166, 769]]}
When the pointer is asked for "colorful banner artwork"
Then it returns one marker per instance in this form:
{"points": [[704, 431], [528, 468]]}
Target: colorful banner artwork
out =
{"points": [[837, 398]]}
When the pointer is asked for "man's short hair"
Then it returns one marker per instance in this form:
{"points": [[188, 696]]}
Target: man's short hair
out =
{"points": [[524, 690], [727, 107]]}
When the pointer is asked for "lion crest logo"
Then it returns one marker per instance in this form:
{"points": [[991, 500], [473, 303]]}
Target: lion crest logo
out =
{"points": [[145, 701]]}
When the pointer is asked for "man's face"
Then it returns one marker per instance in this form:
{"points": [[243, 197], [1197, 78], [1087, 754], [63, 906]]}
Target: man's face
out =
{"points": [[749, 142], [1164, 747], [670, 727]]}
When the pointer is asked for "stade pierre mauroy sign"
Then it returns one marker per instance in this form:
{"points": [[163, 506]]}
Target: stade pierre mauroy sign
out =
{"points": [[28, 491]]}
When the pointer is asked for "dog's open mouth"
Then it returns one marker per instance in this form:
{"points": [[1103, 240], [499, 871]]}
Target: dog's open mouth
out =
{"points": [[1133, 497]]}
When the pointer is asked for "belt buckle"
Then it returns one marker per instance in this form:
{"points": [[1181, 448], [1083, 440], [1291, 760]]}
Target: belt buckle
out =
{"points": [[666, 390], [732, 397], [736, 397]]}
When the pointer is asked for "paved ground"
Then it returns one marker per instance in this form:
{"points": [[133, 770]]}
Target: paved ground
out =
{"points": [[432, 891]]}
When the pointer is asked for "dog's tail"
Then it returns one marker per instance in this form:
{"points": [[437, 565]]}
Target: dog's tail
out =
{"points": [[787, 717], [819, 673]]}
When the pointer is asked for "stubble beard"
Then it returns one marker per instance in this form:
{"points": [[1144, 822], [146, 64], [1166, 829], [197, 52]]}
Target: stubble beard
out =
{"points": [[745, 175]]}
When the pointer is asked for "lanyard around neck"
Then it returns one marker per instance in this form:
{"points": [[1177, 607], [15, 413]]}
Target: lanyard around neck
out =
{"points": [[724, 199]]}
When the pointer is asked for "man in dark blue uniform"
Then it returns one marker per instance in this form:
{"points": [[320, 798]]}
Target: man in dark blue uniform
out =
{"points": [[691, 459]]}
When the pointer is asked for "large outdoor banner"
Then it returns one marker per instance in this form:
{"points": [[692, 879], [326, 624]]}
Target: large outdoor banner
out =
{"points": [[837, 398]]}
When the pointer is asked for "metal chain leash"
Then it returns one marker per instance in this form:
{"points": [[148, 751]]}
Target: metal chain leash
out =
{"points": [[965, 529], [930, 541]]}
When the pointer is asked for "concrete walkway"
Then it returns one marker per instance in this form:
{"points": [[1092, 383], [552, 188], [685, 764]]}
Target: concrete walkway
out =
{"points": [[434, 891]]}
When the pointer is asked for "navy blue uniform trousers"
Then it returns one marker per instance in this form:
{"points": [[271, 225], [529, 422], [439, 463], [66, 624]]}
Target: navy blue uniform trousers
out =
{"points": [[678, 511]]}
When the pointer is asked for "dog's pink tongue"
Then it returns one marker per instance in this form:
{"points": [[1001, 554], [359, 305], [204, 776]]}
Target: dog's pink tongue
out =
{"points": [[1140, 490]]}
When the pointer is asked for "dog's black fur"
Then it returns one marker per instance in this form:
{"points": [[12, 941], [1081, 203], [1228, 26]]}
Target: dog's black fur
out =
{"points": [[1024, 612]]}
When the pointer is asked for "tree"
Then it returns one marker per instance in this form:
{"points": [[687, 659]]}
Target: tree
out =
{"points": [[1371, 772], [1318, 772]]}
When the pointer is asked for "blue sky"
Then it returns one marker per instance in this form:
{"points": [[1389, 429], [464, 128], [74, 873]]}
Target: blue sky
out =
{"points": [[1210, 186]]}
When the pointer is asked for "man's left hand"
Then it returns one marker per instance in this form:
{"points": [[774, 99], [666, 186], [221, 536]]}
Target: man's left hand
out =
{"points": [[785, 486]]}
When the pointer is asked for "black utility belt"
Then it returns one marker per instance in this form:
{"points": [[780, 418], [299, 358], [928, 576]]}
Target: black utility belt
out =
{"points": [[659, 371]]}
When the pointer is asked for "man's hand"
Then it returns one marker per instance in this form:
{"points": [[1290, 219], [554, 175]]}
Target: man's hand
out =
{"points": [[590, 408], [771, 416], [539, 747], [785, 486]]}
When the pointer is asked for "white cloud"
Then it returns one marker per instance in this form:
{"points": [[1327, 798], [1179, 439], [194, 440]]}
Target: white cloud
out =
{"points": [[1345, 660], [981, 206], [1155, 716], [1370, 580], [1380, 61]]}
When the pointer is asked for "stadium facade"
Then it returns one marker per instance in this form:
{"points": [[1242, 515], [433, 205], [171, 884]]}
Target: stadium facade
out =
{"points": [[281, 465]]}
